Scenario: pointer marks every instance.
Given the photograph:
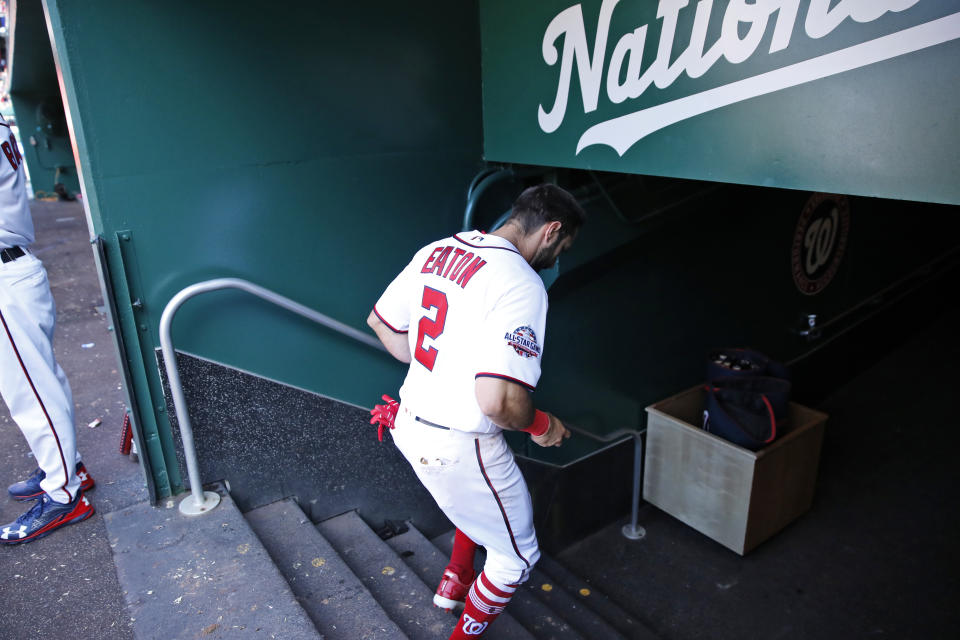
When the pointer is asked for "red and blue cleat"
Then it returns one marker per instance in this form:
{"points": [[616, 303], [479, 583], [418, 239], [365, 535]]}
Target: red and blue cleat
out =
{"points": [[45, 517]]}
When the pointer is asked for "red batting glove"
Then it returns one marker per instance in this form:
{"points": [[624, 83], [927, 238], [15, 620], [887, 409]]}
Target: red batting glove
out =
{"points": [[384, 415]]}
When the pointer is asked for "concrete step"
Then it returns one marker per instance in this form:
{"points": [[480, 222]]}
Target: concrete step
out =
{"points": [[330, 593], [428, 563], [406, 599], [531, 612], [626, 624], [576, 611], [192, 576]]}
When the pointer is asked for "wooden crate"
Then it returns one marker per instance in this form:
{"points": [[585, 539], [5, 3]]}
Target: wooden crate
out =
{"points": [[736, 496]]}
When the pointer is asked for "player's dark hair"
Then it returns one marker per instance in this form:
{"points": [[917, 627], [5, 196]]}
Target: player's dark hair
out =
{"points": [[545, 203]]}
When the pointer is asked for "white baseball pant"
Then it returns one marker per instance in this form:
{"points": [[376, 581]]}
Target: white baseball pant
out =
{"points": [[478, 486], [32, 384]]}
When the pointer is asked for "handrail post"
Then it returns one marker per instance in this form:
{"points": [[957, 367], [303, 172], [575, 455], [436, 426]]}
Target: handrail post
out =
{"points": [[632, 531], [202, 502]]}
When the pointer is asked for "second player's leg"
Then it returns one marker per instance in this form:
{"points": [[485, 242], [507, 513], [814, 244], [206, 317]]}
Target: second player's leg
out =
{"points": [[32, 384]]}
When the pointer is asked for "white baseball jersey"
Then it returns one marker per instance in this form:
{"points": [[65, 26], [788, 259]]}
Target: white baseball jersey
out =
{"points": [[16, 225], [472, 307]]}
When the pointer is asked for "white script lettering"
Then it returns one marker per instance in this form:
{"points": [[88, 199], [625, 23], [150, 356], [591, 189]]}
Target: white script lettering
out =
{"points": [[750, 18]]}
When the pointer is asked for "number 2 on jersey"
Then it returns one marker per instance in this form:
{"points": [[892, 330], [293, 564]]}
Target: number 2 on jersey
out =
{"points": [[432, 299]]}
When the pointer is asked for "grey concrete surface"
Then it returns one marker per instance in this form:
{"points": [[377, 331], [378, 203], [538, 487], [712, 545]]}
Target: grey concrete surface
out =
{"points": [[65, 585], [202, 577], [405, 598], [330, 593]]}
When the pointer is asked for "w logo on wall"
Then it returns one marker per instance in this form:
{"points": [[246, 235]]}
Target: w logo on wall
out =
{"points": [[820, 241]]}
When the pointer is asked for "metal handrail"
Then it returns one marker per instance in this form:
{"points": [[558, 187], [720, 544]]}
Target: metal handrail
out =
{"points": [[201, 501]]}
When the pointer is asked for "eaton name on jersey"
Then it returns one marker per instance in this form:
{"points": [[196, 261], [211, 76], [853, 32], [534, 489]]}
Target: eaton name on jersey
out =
{"points": [[453, 263]]}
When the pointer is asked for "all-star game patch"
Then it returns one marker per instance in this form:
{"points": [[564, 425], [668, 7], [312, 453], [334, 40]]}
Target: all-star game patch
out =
{"points": [[524, 342]]}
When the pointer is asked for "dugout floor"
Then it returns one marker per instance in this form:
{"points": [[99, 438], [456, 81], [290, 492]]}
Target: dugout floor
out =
{"points": [[874, 558]]}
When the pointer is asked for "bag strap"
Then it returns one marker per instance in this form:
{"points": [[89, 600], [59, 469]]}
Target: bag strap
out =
{"points": [[711, 390], [773, 420]]}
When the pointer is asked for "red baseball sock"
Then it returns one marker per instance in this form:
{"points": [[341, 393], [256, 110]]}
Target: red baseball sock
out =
{"points": [[485, 602], [461, 560]]}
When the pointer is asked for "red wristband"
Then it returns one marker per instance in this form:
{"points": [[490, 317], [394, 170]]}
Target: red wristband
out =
{"points": [[540, 424]]}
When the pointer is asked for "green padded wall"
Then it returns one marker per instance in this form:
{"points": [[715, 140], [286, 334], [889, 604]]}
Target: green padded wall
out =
{"points": [[309, 148]]}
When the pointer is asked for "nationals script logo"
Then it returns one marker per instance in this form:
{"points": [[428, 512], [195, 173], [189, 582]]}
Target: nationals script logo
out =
{"points": [[753, 18]]}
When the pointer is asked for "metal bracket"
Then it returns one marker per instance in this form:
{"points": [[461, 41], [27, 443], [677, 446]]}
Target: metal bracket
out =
{"points": [[106, 274]]}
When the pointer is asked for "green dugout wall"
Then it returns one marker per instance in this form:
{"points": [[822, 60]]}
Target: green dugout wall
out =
{"points": [[309, 149], [312, 148]]}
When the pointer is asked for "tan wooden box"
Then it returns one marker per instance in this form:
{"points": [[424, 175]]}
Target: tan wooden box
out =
{"points": [[736, 496]]}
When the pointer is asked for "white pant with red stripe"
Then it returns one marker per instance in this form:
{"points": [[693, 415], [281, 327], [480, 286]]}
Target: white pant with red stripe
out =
{"points": [[478, 486], [32, 384]]}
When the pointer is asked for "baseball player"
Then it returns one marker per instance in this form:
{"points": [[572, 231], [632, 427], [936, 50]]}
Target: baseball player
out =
{"points": [[31, 382], [468, 313]]}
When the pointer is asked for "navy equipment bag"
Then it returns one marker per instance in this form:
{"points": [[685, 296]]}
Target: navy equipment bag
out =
{"points": [[747, 397], [742, 363]]}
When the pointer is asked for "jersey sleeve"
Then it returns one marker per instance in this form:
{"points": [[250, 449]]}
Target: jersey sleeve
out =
{"points": [[511, 344], [393, 307]]}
